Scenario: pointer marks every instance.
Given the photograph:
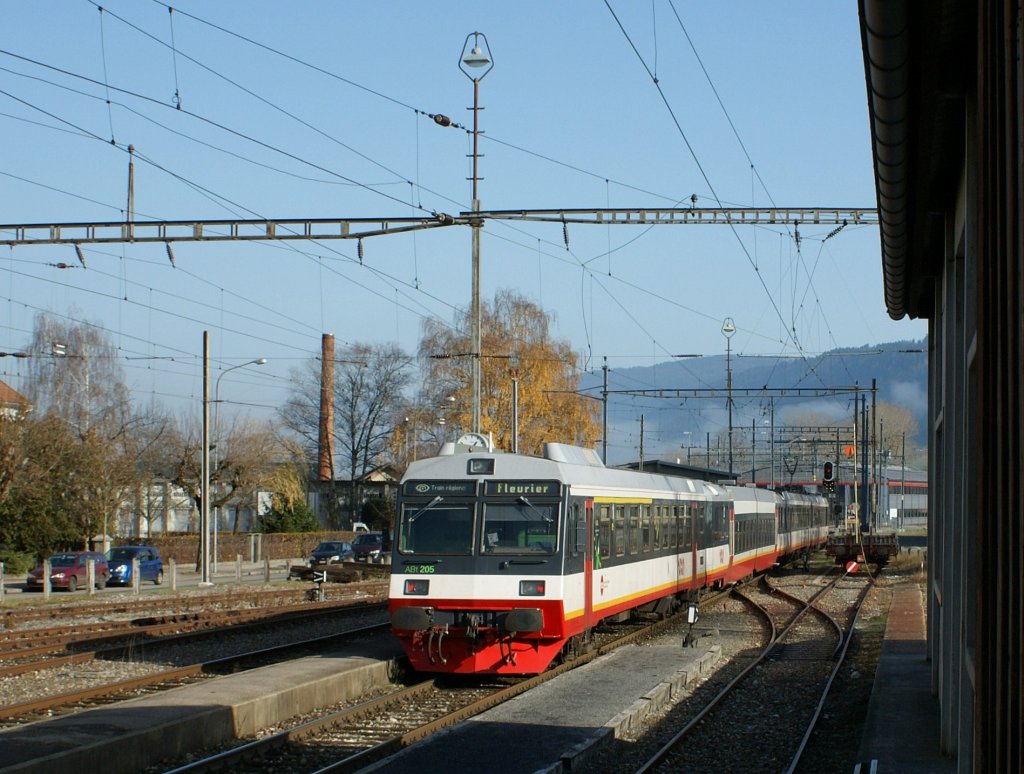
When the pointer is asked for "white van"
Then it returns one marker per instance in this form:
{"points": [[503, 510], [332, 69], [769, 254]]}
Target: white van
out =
{"points": [[359, 526]]}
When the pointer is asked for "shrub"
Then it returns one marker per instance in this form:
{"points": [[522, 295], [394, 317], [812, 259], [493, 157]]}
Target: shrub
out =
{"points": [[298, 518], [16, 562]]}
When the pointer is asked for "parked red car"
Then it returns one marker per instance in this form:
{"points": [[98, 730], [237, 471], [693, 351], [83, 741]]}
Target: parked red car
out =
{"points": [[369, 546], [69, 571]]}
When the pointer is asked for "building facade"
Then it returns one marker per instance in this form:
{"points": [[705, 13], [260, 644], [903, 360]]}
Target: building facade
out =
{"points": [[944, 82]]}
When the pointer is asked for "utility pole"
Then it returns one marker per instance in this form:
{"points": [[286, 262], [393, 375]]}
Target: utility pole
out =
{"points": [[204, 508], [903, 480], [874, 445], [865, 521], [604, 419], [641, 442]]}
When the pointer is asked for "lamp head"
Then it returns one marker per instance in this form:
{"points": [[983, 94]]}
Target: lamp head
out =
{"points": [[476, 57]]}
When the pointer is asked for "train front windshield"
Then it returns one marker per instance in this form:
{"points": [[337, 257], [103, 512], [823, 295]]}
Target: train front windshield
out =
{"points": [[520, 528], [447, 526], [436, 527]]}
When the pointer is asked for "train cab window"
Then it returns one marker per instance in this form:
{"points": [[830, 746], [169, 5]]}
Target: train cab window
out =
{"points": [[436, 528], [520, 527]]}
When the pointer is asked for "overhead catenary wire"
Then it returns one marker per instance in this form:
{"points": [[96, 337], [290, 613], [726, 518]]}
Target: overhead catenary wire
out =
{"points": [[210, 194], [106, 78], [753, 167], [210, 122], [320, 259], [174, 59]]}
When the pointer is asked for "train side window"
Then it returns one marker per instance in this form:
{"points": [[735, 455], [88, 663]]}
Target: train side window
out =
{"points": [[719, 524], [671, 527], [619, 522], [633, 528], [646, 511], [580, 541], [705, 533], [572, 524], [604, 536], [689, 510]]}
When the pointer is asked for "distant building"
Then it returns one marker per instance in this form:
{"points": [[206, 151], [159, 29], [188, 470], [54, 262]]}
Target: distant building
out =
{"points": [[12, 402], [339, 502]]}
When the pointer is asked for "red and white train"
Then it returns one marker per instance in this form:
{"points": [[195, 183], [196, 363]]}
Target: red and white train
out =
{"points": [[500, 562]]}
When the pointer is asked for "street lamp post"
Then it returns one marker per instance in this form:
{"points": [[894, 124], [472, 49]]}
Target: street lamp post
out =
{"points": [[480, 60], [216, 434], [728, 329], [205, 484]]}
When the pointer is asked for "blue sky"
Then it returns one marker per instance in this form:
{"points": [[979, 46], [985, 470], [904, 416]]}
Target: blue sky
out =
{"points": [[571, 119]]}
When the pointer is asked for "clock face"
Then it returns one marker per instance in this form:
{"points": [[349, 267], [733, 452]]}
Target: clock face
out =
{"points": [[474, 441]]}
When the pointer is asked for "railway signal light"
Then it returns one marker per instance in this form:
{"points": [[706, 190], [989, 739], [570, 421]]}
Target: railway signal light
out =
{"points": [[828, 476]]}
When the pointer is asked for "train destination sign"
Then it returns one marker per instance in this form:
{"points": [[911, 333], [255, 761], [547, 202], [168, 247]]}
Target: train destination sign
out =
{"points": [[522, 488], [442, 488]]}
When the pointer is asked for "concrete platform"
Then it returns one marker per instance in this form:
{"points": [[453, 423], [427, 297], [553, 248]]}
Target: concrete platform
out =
{"points": [[129, 736], [901, 732], [565, 721]]}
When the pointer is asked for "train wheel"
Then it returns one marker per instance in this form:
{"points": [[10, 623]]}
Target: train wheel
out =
{"points": [[575, 647]]}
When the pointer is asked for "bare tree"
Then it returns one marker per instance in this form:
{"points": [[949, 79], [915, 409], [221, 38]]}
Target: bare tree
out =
{"points": [[369, 386], [75, 377], [516, 350], [895, 425], [242, 462]]}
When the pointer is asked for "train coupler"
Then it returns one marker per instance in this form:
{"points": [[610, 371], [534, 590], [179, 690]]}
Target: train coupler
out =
{"points": [[440, 632]]}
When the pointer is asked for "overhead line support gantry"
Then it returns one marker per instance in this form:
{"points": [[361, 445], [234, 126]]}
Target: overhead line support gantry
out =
{"points": [[264, 229]]}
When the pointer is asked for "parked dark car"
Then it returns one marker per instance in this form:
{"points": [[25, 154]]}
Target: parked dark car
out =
{"points": [[369, 546], [70, 571], [151, 566], [331, 552]]}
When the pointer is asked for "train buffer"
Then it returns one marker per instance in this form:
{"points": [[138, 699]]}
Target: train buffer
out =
{"points": [[872, 547]]}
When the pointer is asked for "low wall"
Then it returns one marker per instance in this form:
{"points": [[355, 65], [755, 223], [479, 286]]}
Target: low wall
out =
{"points": [[252, 547]]}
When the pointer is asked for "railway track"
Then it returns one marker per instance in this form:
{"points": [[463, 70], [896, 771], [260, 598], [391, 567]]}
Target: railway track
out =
{"points": [[768, 710], [14, 620], [28, 615], [350, 738], [127, 669], [31, 650]]}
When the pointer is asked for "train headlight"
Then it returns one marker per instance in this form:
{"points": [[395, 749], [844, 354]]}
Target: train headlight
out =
{"points": [[417, 587], [531, 588]]}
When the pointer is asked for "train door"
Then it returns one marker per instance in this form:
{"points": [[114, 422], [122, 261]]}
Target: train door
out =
{"points": [[591, 561], [730, 514], [700, 515]]}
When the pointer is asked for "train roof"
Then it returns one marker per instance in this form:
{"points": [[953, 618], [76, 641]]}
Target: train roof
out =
{"points": [[569, 464]]}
